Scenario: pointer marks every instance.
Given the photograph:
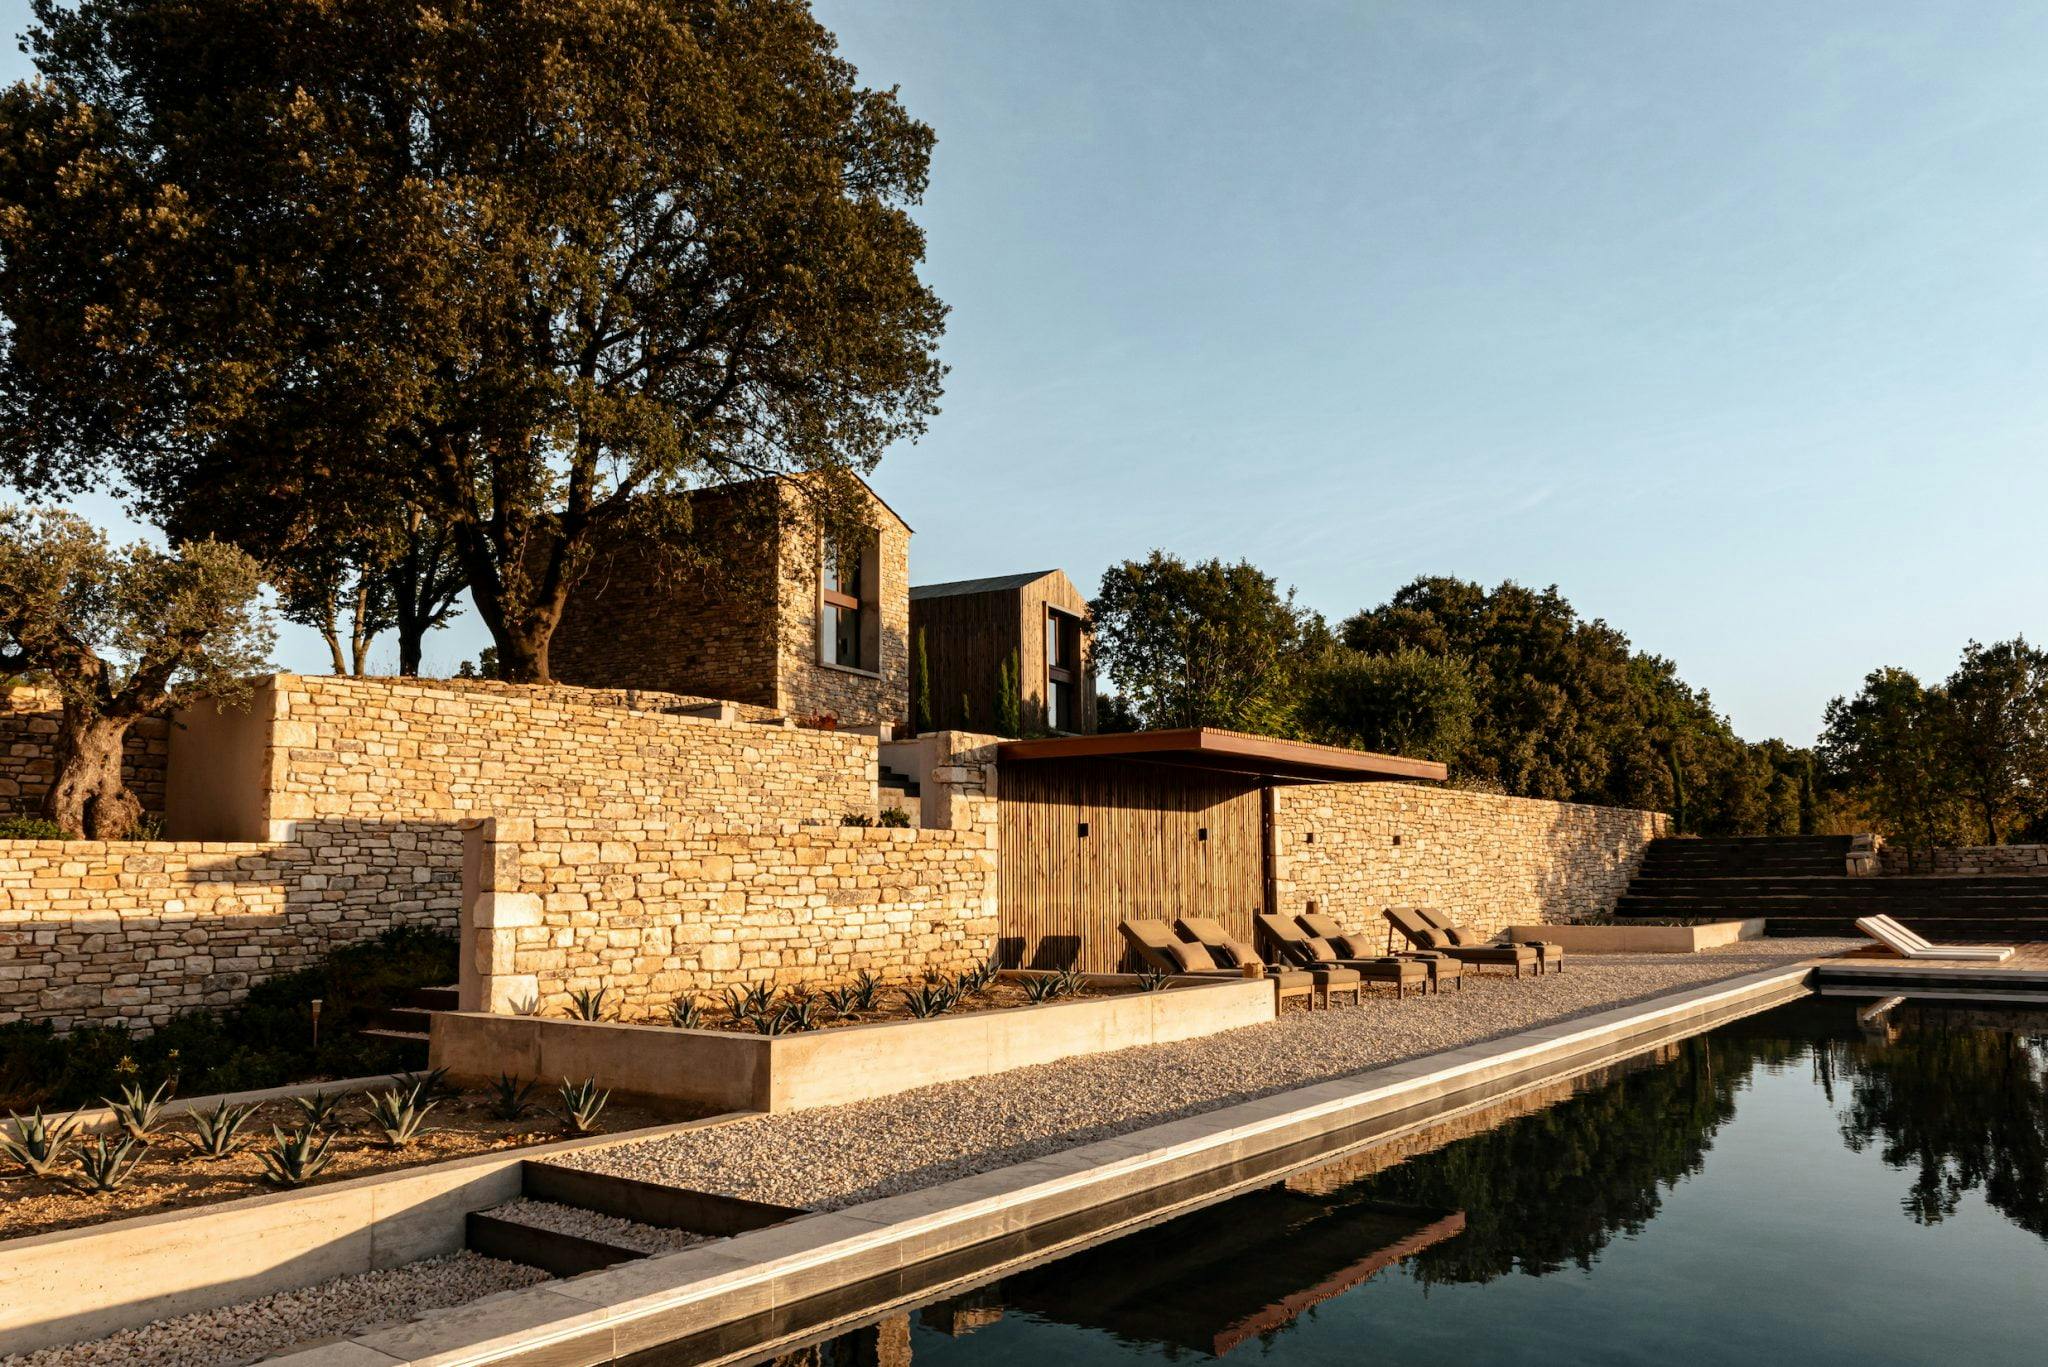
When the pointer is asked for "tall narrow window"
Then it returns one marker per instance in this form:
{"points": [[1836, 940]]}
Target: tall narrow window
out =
{"points": [[847, 617], [1062, 671]]}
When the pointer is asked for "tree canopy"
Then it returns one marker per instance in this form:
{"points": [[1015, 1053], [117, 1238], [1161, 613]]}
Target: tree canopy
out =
{"points": [[520, 266]]}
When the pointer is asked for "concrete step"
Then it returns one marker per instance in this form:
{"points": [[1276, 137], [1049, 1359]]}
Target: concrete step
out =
{"points": [[398, 1036]]}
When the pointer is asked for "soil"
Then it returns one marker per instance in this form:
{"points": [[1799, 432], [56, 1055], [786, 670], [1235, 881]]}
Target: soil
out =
{"points": [[889, 1006], [173, 1175]]}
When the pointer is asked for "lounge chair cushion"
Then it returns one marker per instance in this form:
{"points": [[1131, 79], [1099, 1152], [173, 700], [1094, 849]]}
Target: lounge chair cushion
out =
{"points": [[1435, 939], [1321, 950], [1236, 952], [1354, 947], [1458, 935], [1191, 957]]}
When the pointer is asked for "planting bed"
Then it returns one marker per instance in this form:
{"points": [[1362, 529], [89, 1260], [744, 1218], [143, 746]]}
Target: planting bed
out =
{"points": [[171, 1175], [1004, 993]]}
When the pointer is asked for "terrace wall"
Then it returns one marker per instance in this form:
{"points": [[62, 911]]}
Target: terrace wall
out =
{"points": [[1489, 861], [1966, 860], [28, 753], [649, 909], [139, 931]]}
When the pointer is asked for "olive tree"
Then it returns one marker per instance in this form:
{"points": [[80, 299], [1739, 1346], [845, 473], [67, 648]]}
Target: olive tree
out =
{"points": [[121, 634]]}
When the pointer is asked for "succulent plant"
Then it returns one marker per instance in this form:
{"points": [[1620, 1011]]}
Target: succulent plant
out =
{"points": [[589, 1004], [431, 1085], [292, 1160], [582, 1102], [841, 1000], [1042, 988], [1073, 982], [137, 1114], [103, 1167], [866, 988], [1154, 980], [398, 1117], [511, 1099], [320, 1110], [39, 1143], [801, 1014], [686, 1012], [217, 1133], [930, 999], [976, 980], [768, 1023]]}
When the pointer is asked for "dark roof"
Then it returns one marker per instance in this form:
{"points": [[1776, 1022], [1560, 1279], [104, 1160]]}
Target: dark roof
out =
{"points": [[960, 587], [1205, 747]]}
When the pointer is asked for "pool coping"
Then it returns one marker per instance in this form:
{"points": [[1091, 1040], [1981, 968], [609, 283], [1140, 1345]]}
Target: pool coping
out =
{"points": [[612, 1313]]}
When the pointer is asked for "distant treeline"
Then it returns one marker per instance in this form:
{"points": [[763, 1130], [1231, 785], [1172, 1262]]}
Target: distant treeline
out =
{"points": [[1517, 693]]}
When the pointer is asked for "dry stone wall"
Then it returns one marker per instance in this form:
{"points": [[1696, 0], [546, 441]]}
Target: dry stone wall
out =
{"points": [[649, 910], [28, 753], [140, 931], [1964, 860], [1487, 861]]}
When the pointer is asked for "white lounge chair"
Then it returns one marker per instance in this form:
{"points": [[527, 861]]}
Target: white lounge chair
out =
{"points": [[1907, 945]]}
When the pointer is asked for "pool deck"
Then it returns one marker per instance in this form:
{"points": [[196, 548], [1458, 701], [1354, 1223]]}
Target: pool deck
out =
{"points": [[747, 1290]]}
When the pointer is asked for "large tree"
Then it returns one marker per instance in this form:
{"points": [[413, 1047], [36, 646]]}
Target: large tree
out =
{"points": [[529, 260], [1407, 703], [122, 634], [1997, 734], [1886, 744], [1209, 644]]}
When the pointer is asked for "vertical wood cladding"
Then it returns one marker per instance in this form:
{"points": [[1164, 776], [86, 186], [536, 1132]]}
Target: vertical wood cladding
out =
{"points": [[970, 636]]}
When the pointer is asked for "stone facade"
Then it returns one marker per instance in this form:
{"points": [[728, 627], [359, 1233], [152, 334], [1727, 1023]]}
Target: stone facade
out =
{"points": [[649, 910], [139, 931], [1488, 861], [740, 618], [1965, 860], [28, 753]]}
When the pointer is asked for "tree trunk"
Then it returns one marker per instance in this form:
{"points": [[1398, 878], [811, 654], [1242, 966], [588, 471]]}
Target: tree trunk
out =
{"points": [[88, 797], [411, 646]]}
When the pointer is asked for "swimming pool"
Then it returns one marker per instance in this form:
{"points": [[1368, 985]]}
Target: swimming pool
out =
{"points": [[1836, 1180]]}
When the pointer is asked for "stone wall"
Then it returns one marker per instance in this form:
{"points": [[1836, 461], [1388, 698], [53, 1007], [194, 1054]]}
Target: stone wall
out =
{"points": [[139, 931], [649, 910], [1964, 860], [1488, 861], [28, 753], [354, 753]]}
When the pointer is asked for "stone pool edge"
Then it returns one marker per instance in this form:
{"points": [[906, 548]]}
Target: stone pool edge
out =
{"points": [[604, 1315]]}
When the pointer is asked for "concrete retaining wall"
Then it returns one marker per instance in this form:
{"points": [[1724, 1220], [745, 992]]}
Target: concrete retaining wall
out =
{"points": [[1641, 939], [827, 1067]]}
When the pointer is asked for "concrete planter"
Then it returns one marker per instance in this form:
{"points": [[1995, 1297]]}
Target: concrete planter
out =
{"points": [[1634, 939], [827, 1067]]}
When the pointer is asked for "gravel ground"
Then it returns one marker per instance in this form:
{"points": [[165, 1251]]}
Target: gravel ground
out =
{"points": [[842, 1155], [256, 1329], [588, 1224]]}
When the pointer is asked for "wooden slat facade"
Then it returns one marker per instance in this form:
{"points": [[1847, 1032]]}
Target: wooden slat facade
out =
{"points": [[1063, 893]]}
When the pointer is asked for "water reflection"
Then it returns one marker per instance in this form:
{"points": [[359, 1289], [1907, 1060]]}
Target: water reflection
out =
{"points": [[1955, 1100]]}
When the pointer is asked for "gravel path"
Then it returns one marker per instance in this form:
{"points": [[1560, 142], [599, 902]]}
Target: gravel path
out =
{"points": [[588, 1224], [842, 1155], [256, 1329]]}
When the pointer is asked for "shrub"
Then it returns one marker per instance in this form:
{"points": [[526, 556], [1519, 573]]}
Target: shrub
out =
{"points": [[860, 819], [893, 817], [30, 828]]}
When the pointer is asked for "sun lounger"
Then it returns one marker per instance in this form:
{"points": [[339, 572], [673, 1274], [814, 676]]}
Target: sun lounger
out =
{"points": [[1549, 953], [1287, 942], [1908, 945], [1155, 943], [1423, 935], [1441, 966], [1231, 952]]}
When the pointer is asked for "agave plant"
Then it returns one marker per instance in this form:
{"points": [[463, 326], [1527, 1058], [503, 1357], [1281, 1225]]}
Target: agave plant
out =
{"points": [[399, 1116], [431, 1085], [40, 1143], [217, 1133], [769, 1023], [760, 999], [801, 1014], [1042, 989], [589, 1004], [930, 999], [103, 1167], [320, 1110], [686, 1012], [976, 980], [292, 1160], [1073, 982], [1154, 980], [581, 1104], [866, 988], [137, 1114], [511, 1099], [841, 1000]]}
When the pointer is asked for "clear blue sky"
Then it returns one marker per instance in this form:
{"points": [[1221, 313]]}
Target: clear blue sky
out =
{"points": [[1728, 320]]}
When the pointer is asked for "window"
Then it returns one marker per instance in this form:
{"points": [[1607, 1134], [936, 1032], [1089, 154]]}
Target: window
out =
{"points": [[1062, 671], [848, 623]]}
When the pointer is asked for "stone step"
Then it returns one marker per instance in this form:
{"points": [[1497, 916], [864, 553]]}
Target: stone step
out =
{"points": [[398, 1036]]}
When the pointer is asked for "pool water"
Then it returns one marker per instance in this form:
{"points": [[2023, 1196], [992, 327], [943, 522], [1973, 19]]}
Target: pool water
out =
{"points": [[1837, 1180]]}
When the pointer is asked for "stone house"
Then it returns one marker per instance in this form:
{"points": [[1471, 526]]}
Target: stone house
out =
{"points": [[769, 609]]}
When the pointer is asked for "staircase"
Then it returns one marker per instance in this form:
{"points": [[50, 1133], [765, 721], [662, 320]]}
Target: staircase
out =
{"points": [[409, 1024], [1801, 884], [894, 789]]}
